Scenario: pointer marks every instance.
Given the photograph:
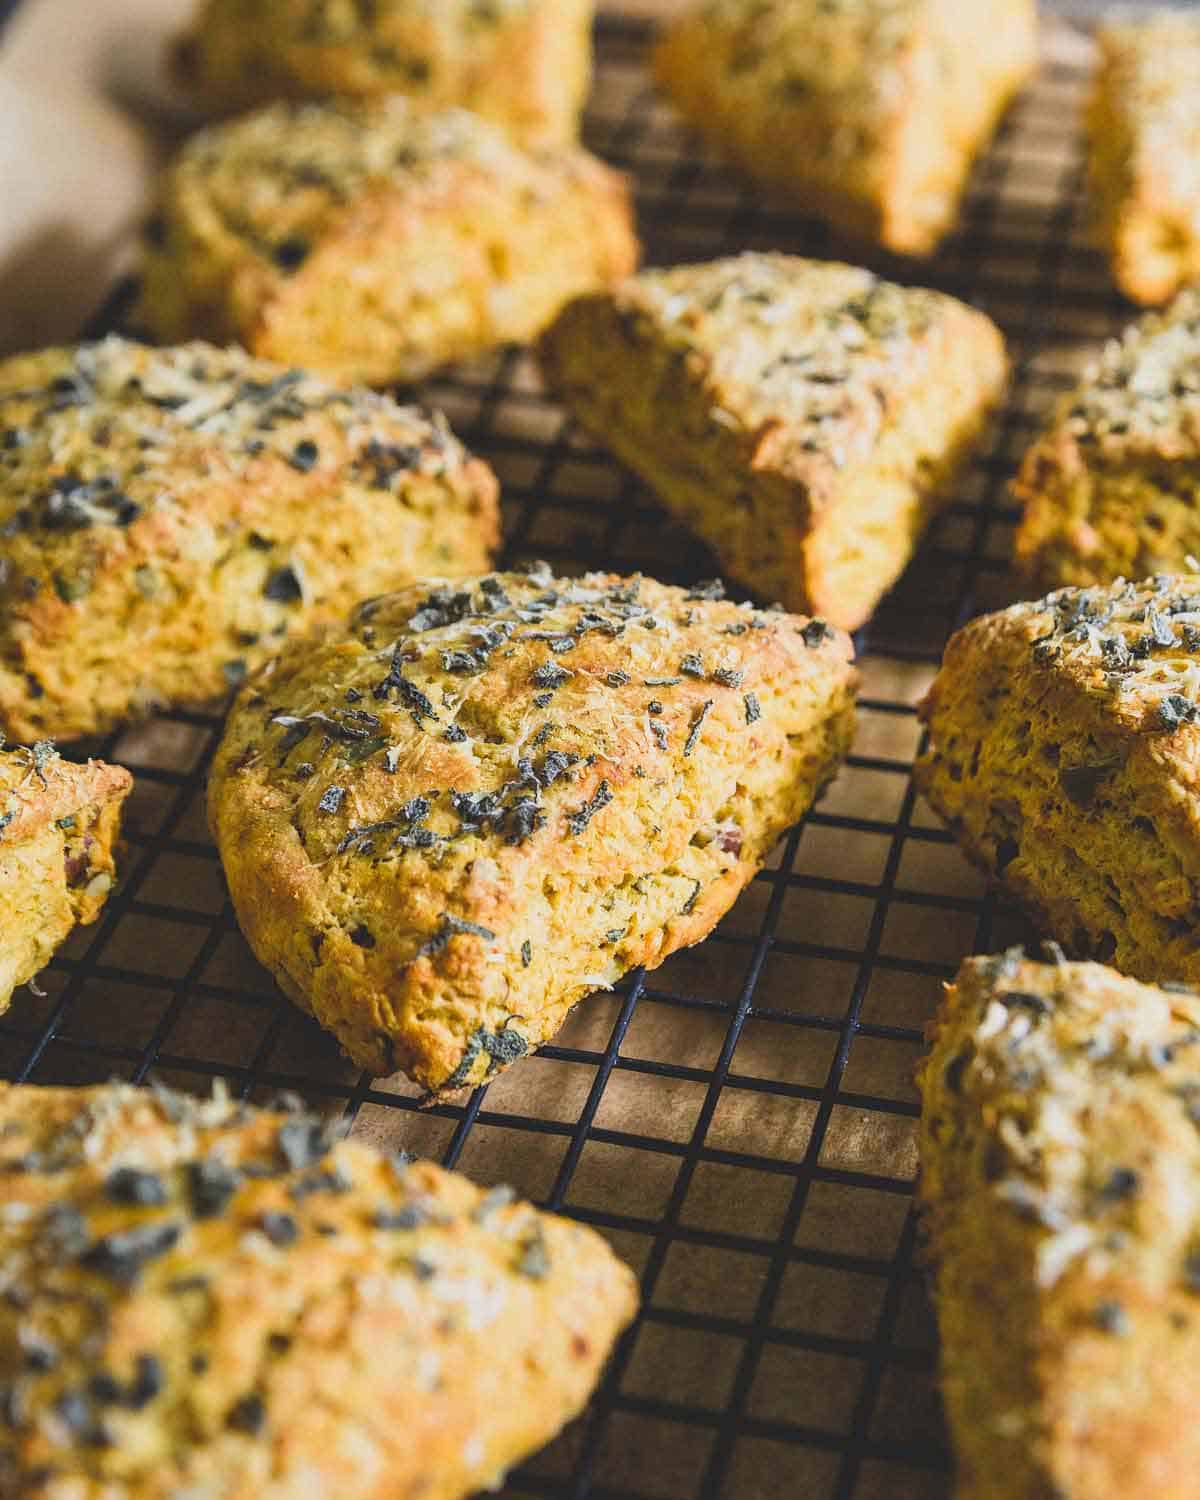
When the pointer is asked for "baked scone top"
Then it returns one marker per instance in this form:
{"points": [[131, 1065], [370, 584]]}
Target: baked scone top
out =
{"points": [[1142, 395], [849, 53], [278, 179], [1081, 1091], [478, 715], [38, 787], [110, 437], [817, 352], [200, 1292], [1134, 647]]}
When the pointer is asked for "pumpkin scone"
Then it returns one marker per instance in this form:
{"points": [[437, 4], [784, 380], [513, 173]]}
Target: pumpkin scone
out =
{"points": [[870, 113], [525, 64], [58, 825], [1144, 150], [168, 515], [206, 1299], [445, 824], [1112, 488], [1064, 744], [1060, 1180], [374, 242], [804, 417]]}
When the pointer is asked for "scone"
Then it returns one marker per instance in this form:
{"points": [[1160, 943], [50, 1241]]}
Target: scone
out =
{"points": [[1064, 744], [1060, 1177], [1144, 142], [526, 64], [1112, 489], [58, 825], [206, 1299], [804, 417], [374, 242], [448, 822], [167, 516], [869, 112]]}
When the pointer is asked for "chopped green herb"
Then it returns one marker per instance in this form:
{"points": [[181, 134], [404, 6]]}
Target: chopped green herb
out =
{"points": [[697, 724], [332, 799], [816, 632], [579, 820], [284, 586]]}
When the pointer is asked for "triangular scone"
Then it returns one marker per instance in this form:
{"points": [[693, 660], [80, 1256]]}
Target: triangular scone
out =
{"points": [[1064, 744], [445, 824], [524, 64], [373, 242], [168, 515], [1112, 489], [804, 417], [58, 826], [206, 1299], [869, 113], [1144, 136], [1060, 1174]]}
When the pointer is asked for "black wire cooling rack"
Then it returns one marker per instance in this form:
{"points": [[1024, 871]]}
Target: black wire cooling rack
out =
{"points": [[739, 1122]]}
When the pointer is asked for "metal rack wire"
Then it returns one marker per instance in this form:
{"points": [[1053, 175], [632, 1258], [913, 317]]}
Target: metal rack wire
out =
{"points": [[740, 1121]]}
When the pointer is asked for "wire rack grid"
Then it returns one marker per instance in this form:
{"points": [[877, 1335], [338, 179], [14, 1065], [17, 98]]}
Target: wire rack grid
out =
{"points": [[739, 1122]]}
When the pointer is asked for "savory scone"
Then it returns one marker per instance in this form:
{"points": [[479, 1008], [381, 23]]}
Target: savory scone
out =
{"points": [[58, 825], [1144, 150], [206, 1299], [1112, 489], [526, 64], [1064, 754], [1060, 1177], [804, 417], [374, 242], [870, 112], [445, 824], [166, 516]]}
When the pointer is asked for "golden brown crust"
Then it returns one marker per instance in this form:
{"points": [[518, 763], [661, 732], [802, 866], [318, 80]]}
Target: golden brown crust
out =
{"points": [[524, 64], [208, 1299], [1144, 130], [1060, 1164], [1064, 747], [540, 784], [1112, 489], [166, 516], [373, 242], [805, 417], [872, 111], [58, 827]]}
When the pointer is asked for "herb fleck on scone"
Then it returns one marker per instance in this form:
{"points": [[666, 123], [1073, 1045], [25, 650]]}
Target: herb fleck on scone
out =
{"points": [[445, 824], [524, 64], [374, 242], [1112, 489], [804, 417], [1060, 1176], [167, 516], [1144, 128], [1064, 736], [58, 825], [203, 1298], [870, 112]]}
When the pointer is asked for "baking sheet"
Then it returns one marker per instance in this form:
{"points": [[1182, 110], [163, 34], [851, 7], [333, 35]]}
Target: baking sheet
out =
{"points": [[740, 1123]]}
